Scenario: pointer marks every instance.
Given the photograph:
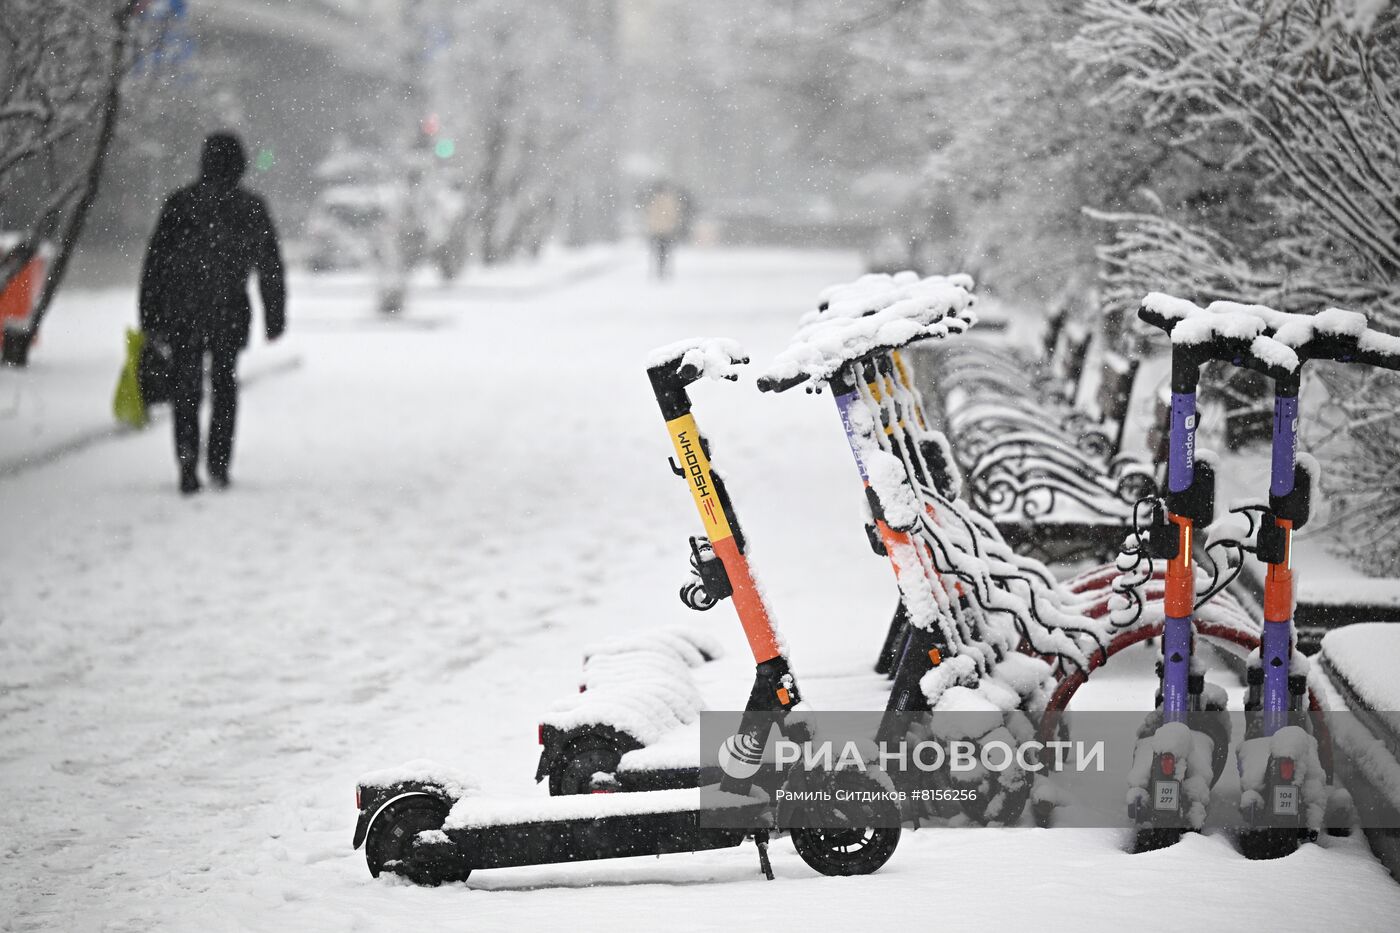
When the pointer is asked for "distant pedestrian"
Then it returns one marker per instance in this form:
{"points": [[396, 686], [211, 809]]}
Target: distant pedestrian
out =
{"points": [[666, 220], [211, 236]]}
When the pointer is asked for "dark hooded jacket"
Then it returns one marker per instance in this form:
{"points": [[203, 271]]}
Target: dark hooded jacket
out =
{"points": [[210, 238]]}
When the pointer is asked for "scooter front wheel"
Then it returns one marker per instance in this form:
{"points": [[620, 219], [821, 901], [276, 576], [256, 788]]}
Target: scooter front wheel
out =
{"points": [[860, 851]]}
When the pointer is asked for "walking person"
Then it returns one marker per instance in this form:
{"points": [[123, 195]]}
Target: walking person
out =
{"points": [[211, 236], [665, 217]]}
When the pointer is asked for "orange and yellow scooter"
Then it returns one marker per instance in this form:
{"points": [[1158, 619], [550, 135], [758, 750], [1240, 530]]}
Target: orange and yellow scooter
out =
{"points": [[424, 823]]}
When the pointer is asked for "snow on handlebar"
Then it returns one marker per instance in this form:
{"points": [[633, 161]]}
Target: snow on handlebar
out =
{"points": [[865, 318], [695, 358], [1279, 341]]}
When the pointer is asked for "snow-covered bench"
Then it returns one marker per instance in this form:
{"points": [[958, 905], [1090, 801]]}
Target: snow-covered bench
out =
{"points": [[1359, 663]]}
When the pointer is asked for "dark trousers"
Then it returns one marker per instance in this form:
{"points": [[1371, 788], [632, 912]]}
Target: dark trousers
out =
{"points": [[189, 357], [661, 251]]}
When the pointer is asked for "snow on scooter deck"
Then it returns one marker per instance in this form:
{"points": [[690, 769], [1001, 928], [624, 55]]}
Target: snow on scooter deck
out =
{"points": [[480, 812]]}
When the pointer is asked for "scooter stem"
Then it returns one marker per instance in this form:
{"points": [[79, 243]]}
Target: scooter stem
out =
{"points": [[1276, 645], [1180, 593]]}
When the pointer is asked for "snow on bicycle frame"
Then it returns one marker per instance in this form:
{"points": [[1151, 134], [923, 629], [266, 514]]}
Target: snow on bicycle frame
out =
{"points": [[848, 346]]}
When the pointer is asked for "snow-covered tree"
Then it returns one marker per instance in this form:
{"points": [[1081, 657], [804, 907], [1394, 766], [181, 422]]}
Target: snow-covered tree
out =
{"points": [[1299, 102], [1292, 109], [62, 67], [527, 103]]}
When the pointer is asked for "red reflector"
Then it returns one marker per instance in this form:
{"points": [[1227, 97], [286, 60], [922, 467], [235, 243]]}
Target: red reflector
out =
{"points": [[1168, 764], [540, 736], [600, 790], [357, 798], [1285, 769], [583, 688]]}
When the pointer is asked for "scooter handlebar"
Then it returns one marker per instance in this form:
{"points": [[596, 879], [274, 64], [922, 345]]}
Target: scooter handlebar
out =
{"points": [[1233, 338], [772, 384], [1377, 349], [674, 368]]}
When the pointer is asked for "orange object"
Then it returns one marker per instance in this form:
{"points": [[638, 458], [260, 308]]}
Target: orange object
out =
{"points": [[783, 696], [763, 641], [18, 298], [1278, 581], [935, 656], [1179, 600]]}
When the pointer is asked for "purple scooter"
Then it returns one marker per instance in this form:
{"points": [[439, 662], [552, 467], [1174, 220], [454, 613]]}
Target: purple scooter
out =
{"points": [[1280, 768], [1170, 796]]}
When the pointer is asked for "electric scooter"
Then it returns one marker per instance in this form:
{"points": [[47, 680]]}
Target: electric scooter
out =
{"points": [[1183, 750], [588, 747], [427, 826], [1281, 772], [949, 642]]}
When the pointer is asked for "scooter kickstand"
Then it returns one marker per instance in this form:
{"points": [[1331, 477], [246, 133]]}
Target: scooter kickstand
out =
{"points": [[760, 839]]}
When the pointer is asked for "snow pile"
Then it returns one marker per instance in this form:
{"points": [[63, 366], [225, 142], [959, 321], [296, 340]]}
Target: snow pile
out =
{"points": [[867, 324], [1293, 742], [1193, 768], [709, 357]]}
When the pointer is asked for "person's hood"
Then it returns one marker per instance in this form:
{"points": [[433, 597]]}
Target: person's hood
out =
{"points": [[223, 161]]}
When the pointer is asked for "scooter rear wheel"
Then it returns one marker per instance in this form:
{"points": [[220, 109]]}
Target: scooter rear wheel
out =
{"points": [[1268, 843], [390, 838]]}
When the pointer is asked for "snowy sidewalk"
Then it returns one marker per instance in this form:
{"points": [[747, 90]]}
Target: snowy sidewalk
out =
{"points": [[429, 522], [62, 402]]}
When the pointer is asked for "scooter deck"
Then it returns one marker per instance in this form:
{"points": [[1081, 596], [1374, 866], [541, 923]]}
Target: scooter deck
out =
{"points": [[481, 832]]}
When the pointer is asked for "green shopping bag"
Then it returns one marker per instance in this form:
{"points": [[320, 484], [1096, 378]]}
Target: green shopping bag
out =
{"points": [[127, 405]]}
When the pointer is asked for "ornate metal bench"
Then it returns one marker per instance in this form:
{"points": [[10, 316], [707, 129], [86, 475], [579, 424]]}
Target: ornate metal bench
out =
{"points": [[1052, 474]]}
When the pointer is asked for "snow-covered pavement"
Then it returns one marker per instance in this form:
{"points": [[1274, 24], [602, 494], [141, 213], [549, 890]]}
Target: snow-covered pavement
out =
{"points": [[431, 518]]}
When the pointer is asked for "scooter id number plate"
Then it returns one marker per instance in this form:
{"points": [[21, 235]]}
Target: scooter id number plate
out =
{"points": [[1286, 800], [1166, 795]]}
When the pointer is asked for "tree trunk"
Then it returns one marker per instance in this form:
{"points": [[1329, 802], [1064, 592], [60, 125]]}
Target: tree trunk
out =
{"points": [[92, 177]]}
